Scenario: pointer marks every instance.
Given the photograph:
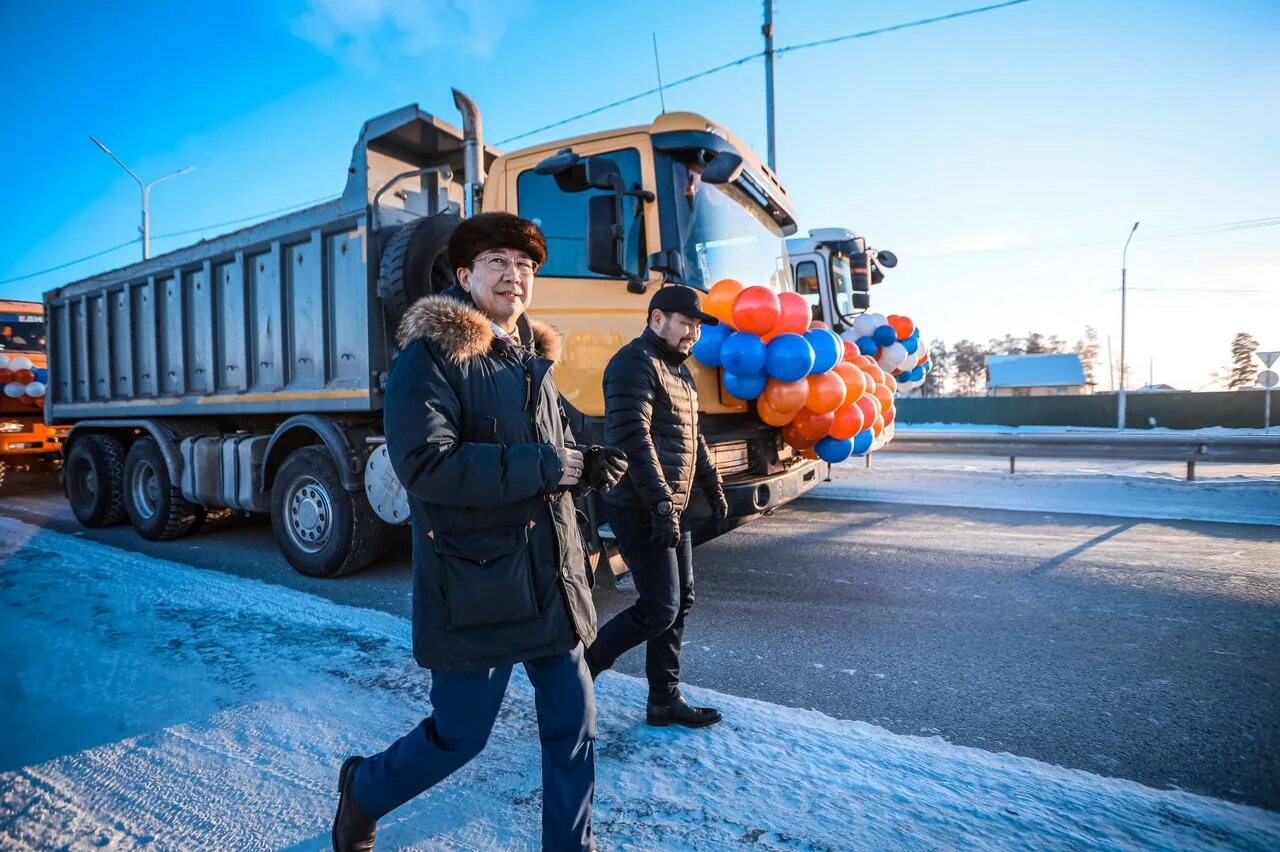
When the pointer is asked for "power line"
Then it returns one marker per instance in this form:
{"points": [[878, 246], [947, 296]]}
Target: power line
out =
{"points": [[744, 59], [131, 242]]}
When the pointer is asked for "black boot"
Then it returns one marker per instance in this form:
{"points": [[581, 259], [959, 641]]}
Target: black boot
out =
{"points": [[677, 711], [352, 830]]}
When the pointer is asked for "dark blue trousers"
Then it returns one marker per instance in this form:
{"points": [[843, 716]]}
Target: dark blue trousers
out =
{"points": [[464, 707], [664, 585]]}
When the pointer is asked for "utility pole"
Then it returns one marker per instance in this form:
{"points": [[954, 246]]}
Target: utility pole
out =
{"points": [[767, 31], [146, 194], [1120, 400]]}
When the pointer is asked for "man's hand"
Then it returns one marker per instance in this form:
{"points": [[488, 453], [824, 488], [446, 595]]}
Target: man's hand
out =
{"points": [[719, 506], [666, 527], [604, 467], [572, 462]]}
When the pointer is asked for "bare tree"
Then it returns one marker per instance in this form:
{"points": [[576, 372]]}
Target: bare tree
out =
{"points": [[936, 379], [1243, 370], [1087, 349], [969, 360]]}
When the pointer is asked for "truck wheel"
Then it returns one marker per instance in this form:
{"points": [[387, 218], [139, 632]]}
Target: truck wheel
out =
{"points": [[322, 529], [415, 263], [94, 480], [155, 505]]}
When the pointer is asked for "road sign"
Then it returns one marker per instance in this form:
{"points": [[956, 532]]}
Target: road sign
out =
{"points": [[1267, 358], [1269, 378]]}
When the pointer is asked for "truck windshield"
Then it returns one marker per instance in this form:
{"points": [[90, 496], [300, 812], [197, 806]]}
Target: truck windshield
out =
{"points": [[723, 232], [21, 333], [842, 284]]}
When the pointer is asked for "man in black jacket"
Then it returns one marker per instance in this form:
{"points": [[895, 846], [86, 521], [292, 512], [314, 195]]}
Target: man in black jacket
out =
{"points": [[651, 413], [477, 436]]}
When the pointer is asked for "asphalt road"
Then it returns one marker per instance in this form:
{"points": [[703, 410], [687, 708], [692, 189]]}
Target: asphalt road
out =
{"points": [[1147, 650]]}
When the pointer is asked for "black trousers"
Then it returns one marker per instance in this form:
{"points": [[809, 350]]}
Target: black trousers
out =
{"points": [[664, 582]]}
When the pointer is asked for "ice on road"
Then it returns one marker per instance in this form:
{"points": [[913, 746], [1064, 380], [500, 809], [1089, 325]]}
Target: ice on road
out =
{"points": [[151, 704]]}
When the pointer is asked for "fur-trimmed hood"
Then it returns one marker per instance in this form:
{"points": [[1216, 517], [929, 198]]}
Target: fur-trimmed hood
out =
{"points": [[453, 321]]}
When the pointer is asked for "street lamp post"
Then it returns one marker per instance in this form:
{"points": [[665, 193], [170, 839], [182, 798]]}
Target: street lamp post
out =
{"points": [[146, 194], [1124, 263]]}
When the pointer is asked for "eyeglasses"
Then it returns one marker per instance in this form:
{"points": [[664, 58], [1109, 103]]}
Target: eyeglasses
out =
{"points": [[500, 263]]}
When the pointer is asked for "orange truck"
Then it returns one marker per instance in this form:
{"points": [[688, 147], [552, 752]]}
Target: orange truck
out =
{"points": [[26, 443]]}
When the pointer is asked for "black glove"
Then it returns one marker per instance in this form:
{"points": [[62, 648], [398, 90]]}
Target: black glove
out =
{"points": [[603, 466], [719, 506], [666, 529]]}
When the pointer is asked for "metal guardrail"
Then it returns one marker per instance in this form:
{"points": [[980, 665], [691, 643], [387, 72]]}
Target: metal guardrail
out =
{"points": [[1160, 446]]}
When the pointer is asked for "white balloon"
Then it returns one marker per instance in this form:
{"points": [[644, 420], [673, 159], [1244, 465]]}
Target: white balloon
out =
{"points": [[879, 319], [13, 390], [864, 326], [892, 356], [19, 362], [4, 360], [910, 361], [35, 389]]}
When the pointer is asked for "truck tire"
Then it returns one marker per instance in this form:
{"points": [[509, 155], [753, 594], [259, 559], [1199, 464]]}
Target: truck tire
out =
{"points": [[322, 529], [94, 481], [415, 263], [154, 503]]}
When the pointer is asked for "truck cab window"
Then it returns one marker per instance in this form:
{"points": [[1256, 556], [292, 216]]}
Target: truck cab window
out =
{"points": [[807, 285], [562, 216]]}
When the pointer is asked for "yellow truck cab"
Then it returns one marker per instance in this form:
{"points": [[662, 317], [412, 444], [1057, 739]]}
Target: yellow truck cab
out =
{"points": [[26, 443]]}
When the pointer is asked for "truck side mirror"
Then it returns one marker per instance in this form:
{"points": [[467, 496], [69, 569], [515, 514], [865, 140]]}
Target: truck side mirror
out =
{"points": [[605, 237], [886, 258], [603, 173], [725, 168], [568, 169]]}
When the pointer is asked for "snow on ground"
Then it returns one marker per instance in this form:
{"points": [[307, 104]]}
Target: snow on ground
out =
{"points": [[148, 703], [1210, 431], [1231, 494]]}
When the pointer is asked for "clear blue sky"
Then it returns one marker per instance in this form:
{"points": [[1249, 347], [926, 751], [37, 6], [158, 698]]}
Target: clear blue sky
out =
{"points": [[1003, 156]]}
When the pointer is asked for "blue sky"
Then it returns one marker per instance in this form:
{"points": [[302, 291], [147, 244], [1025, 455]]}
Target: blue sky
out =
{"points": [[1003, 156]]}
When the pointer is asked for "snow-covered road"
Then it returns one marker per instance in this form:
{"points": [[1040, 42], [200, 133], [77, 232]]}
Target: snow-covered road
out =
{"points": [[152, 704]]}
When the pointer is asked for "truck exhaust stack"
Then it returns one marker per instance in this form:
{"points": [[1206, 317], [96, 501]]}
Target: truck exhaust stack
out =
{"points": [[472, 151]]}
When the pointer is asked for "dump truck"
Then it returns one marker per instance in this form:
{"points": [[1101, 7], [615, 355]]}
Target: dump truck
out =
{"points": [[246, 373], [834, 269], [26, 443]]}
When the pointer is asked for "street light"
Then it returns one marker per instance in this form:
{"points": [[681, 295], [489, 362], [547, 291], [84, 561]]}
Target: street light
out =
{"points": [[146, 194], [1120, 400]]}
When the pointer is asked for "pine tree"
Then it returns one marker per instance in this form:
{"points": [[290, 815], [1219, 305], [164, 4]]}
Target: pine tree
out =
{"points": [[1243, 369], [1087, 349], [969, 360]]}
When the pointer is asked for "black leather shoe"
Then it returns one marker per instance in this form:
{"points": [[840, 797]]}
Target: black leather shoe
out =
{"points": [[679, 712], [352, 830]]}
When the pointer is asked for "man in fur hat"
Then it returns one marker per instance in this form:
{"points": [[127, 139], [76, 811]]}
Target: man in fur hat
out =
{"points": [[477, 435]]}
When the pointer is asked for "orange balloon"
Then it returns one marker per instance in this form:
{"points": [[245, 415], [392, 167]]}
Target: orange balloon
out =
{"points": [[826, 392], [756, 310], [891, 382], [877, 375], [794, 316], [786, 397], [878, 426], [890, 415], [719, 301], [884, 395], [791, 434], [813, 425], [849, 422], [817, 324], [863, 360], [809, 453], [855, 381], [771, 415], [870, 408], [901, 325], [850, 351]]}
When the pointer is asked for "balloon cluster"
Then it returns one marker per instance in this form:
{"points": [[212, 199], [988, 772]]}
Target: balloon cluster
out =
{"points": [[894, 342], [830, 401], [22, 379]]}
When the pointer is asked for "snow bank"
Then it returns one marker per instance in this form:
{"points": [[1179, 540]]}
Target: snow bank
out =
{"points": [[149, 703]]}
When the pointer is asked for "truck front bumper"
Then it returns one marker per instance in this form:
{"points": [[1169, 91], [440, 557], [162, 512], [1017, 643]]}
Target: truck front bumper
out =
{"points": [[760, 494]]}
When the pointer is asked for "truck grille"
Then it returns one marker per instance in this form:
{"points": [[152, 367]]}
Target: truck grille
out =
{"points": [[731, 457]]}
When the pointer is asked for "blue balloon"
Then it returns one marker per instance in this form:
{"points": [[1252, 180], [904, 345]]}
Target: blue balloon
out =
{"points": [[745, 387], [42, 375], [927, 366], [911, 344], [742, 353], [885, 335], [707, 349], [789, 357], [916, 374], [862, 442], [828, 349], [867, 346], [833, 450]]}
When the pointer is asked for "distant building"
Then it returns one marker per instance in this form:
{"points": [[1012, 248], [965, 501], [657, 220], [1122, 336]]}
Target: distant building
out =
{"points": [[1035, 375], [1157, 388]]}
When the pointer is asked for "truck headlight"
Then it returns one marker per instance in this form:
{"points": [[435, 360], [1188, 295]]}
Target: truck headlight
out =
{"points": [[8, 426]]}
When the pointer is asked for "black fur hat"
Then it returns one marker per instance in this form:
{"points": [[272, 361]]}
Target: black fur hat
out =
{"points": [[487, 231]]}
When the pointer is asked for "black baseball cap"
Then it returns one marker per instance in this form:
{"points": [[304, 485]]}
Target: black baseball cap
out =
{"points": [[678, 299]]}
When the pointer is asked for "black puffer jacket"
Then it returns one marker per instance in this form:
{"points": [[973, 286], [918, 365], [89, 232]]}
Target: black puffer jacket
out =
{"points": [[651, 413], [472, 427]]}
